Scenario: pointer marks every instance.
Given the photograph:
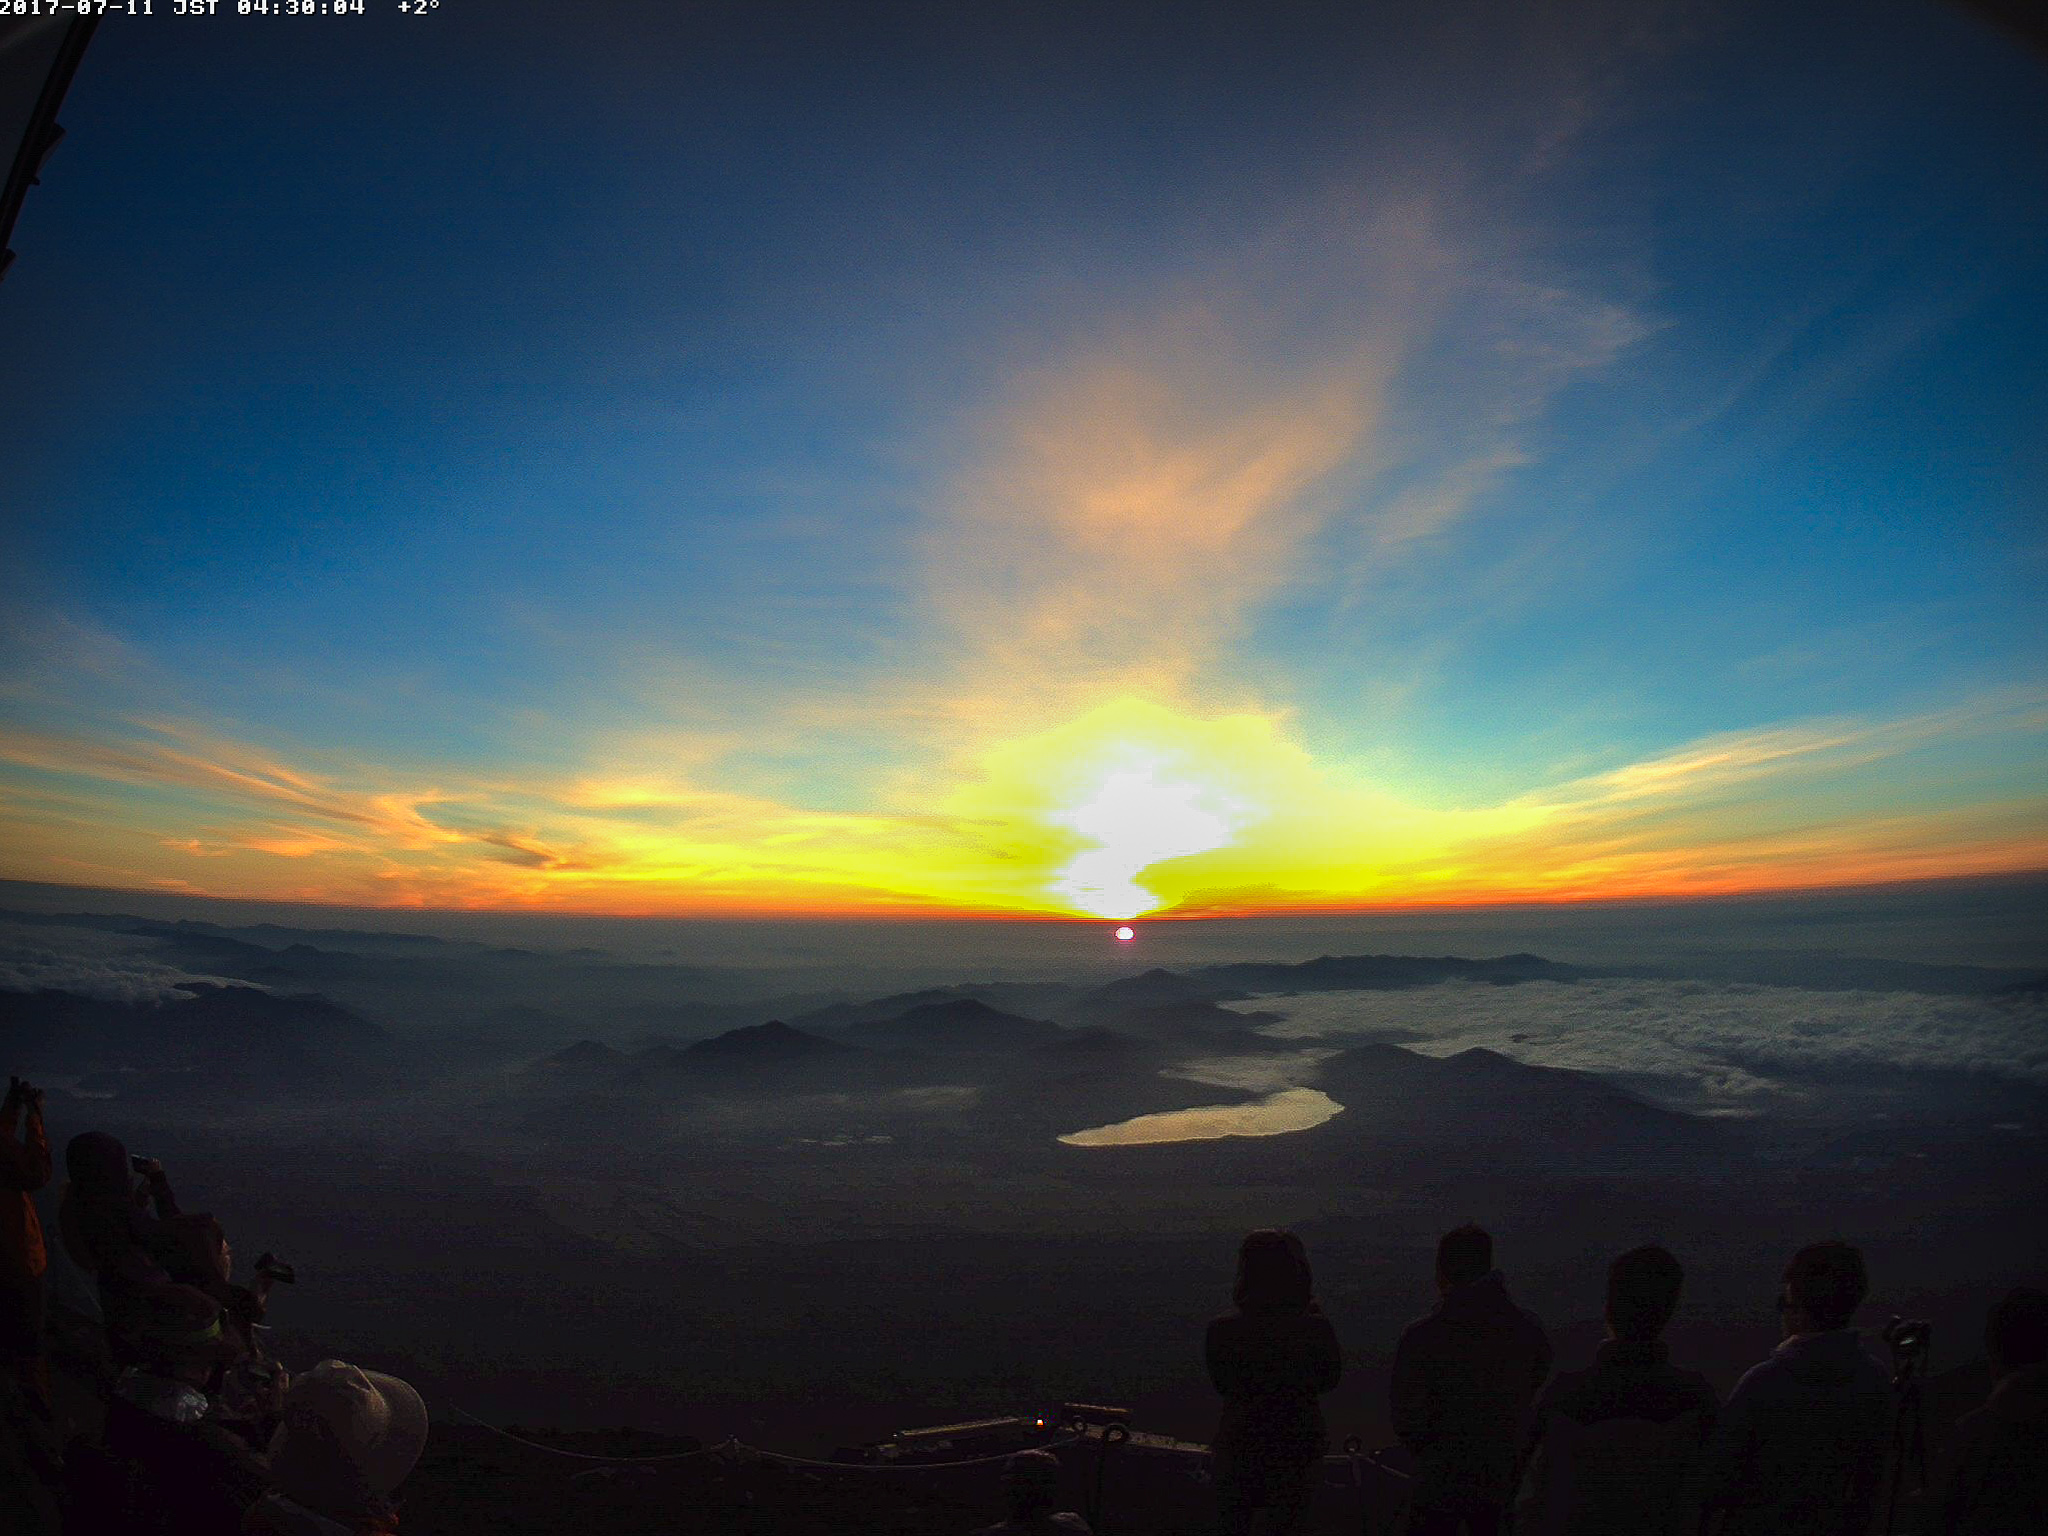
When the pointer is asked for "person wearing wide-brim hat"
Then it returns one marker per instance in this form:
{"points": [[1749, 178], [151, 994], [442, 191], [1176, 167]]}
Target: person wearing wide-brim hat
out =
{"points": [[348, 1439]]}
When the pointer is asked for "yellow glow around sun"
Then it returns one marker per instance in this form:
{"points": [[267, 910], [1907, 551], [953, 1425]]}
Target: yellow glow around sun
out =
{"points": [[1137, 807], [1093, 803]]}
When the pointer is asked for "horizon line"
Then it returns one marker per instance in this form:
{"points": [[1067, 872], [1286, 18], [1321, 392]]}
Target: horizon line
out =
{"points": [[965, 915]]}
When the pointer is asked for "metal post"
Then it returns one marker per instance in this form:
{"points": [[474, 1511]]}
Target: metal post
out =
{"points": [[1113, 1435]]}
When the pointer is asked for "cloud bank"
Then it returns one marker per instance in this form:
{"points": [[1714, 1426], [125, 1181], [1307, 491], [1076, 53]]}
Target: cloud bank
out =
{"points": [[1729, 1048]]}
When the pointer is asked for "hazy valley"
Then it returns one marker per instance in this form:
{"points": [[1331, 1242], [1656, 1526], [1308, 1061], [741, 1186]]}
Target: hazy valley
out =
{"points": [[574, 1186]]}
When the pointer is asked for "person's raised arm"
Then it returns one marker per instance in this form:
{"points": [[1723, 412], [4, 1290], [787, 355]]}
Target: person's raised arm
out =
{"points": [[24, 1164], [160, 1194]]}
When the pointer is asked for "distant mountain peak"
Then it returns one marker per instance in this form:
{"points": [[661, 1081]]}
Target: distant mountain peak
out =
{"points": [[772, 1041], [962, 1022], [1157, 985], [1481, 1056], [955, 1008], [585, 1055]]}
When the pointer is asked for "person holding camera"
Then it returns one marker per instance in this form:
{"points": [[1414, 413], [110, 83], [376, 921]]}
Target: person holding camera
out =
{"points": [[24, 1169], [118, 1230], [1800, 1448]]}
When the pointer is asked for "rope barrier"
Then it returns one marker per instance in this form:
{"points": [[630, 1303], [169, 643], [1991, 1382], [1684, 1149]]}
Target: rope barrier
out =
{"points": [[735, 1446], [904, 1466], [555, 1450]]}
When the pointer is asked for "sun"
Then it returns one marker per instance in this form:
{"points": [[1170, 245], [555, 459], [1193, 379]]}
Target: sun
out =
{"points": [[1125, 934]]}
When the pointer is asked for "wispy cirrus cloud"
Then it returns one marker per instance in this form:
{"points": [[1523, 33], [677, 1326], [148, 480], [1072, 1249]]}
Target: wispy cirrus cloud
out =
{"points": [[1332, 399], [166, 753], [1736, 758]]}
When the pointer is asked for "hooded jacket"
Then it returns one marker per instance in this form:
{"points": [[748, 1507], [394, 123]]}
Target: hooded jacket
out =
{"points": [[1800, 1448], [1993, 1476], [1618, 1447], [1465, 1379]]}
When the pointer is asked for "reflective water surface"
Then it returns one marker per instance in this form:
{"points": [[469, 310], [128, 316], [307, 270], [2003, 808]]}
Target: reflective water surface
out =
{"points": [[1293, 1109]]}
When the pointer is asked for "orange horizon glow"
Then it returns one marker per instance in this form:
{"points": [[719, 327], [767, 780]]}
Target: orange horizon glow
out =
{"points": [[1698, 891], [1131, 808]]}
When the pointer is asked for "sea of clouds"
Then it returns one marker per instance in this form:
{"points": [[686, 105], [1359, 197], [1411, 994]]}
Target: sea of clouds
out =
{"points": [[1725, 1048], [112, 967]]}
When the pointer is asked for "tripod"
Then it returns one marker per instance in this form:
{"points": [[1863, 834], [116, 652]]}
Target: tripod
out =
{"points": [[1909, 1427]]}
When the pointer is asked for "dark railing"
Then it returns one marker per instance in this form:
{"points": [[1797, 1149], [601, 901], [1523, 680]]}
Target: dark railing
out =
{"points": [[42, 133]]}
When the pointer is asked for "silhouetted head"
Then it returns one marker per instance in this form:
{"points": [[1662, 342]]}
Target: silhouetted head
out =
{"points": [[1031, 1482], [1463, 1256], [1273, 1273], [195, 1251], [2016, 1330], [97, 1165], [93, 1213], [1642, 1293], [1824, 1285]]}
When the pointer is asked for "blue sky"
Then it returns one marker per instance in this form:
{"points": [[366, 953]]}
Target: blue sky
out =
{"points": [[527, 460]]}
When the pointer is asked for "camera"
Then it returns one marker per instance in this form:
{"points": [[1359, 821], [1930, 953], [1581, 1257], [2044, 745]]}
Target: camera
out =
{"points": [[1907, 1336], [271, 1267], [139, 1163]]}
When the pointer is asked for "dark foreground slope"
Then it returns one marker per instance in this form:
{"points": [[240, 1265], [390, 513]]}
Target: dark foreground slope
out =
{"points": [[473, 1482]]}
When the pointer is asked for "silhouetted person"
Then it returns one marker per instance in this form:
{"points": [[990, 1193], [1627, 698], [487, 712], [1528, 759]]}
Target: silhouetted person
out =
{"points": [[1271, 1359], [1800, 1448], [194, 1251], [349, 1439], [1619, 1444], [1992, 1479], [147, 1257], [1465, 1380], [24, 1169], [1031, 1485], [112, 1233]]}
